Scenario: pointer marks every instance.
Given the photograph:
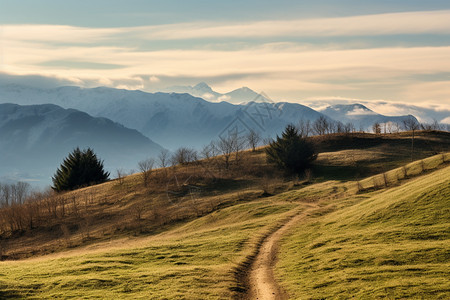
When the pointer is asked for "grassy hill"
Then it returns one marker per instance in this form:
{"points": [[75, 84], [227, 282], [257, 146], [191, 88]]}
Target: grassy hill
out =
{"points": [[391, 243], [189, 233], [193, 261]]}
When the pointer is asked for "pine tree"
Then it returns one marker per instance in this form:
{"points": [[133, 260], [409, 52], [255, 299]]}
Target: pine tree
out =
{"points": [[80, 168], [291, 152]]}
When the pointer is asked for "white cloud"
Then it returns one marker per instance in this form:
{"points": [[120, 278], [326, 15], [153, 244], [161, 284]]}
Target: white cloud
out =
{"points": [[208, 96], [154, 79], [224, 98], [285, 70], [418, 22], [359, 112], [57, 33]]}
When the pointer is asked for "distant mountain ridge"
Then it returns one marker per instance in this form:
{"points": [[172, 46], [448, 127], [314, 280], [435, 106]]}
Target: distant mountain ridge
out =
{"points": [[359, 115], [238, 96], [172, 120], [34, 139]]}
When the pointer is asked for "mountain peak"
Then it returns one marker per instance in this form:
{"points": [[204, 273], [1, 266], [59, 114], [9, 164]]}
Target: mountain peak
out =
{"points": [[244, 89], [202, 86]]}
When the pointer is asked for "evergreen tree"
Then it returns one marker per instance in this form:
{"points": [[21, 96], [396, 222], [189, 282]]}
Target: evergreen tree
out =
{"points": [[291, 152], [80, 168]]}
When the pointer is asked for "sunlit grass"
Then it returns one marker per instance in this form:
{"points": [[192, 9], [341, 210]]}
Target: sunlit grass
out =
{"points": [[193, 261], [385, 244]]}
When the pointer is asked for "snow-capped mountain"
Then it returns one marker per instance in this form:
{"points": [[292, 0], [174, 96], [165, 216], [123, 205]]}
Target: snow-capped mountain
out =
{"points": [[172, 120], [239, 96], [34, 139], [361, 116]]}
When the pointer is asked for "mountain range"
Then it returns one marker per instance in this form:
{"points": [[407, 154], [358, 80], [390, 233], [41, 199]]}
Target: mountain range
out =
{"points": [[36, 138], [359, 115], [170, 119], [40, 126], [204, 91]]}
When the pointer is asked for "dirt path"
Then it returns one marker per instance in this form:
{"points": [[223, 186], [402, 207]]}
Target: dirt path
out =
{"points": [[261, 278]]}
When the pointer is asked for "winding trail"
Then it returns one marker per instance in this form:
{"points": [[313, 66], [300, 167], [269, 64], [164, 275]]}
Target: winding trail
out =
{"points": [[262, 283]]}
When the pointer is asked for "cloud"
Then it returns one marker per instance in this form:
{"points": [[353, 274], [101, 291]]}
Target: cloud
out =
{"points": [[419, 22], [359, 112], [224, 98], [381, 72], [57, 33], [36, 80], [147, 58], [425, 112]]}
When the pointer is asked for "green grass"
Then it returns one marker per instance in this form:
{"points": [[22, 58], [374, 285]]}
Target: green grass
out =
{"points": [[389, 244], [193, 261]]}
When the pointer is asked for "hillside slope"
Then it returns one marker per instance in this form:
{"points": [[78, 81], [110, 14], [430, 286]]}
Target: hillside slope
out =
{"points": [[386, 244], [122, 239]]}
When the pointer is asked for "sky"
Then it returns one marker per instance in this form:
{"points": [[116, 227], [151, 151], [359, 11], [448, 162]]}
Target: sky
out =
{"points": [[296, 51]]}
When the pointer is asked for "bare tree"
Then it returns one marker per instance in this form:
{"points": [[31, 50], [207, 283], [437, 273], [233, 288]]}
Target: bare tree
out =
{"points": [[253, 139], [239, 145], [137, 211], [433, 126], [411, 124], [5, 195], [396, 127], [332, 127], [120, 174], [349, 127], [340, 127], [206, 152], [163, 158], [19, 192], [226, 146], [320, 126], [304, 127], [376, 127], [146, 167], [185, 155]]}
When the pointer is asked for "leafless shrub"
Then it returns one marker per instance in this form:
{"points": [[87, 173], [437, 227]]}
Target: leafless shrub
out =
{"points": [[146, 167], [85, 227], [226, 147], [321, 126], [65, 234], [136, 211], [120, 176], [184, 155], [253, 139], [376, 127], [304, 128]]}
